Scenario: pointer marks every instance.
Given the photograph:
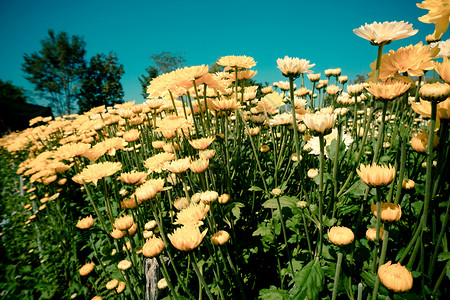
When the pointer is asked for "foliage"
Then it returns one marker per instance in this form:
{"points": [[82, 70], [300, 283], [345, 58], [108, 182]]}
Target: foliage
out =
{"points": [[56, 70], [10, 92], [100, 84]]}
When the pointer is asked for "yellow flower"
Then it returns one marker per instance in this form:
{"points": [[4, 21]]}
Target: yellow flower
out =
{"points": [[209, 196], [413, 60], [162, 284], [434, 92], [340, 235], [438, 14], [390, 212], [112, 284], [408, 184], [320, 123], [207, 154], [153, 247], [199, 165], [312, 173], [371, 234], [443, 69], [386, 32], [266, 90], [179, 165], [293, 67], [355, 89], [146, 191], [157, 161], [388, 90], [226, 105], [224, 198], [133, 177], [121, 287], [395, 277], [95, 172], [201, 144], [117, 234], [85, 223], [192, 215], [187, 237], [314, 77], [86, 269], [131, 135], [181, 203], [124, 265], [332, 89], [123, 223], [220, 237], [71, 150], [424, 108], [233, 61], [419, 142], [376, 175]]}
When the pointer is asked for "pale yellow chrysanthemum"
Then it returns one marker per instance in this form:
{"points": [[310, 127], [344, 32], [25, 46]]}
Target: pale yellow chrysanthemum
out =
{"points": [[412, 59], [187, 237], [293, 66], [443, 69], [202, 143], [193, 214], [424, 108], [156, 162], [240, 61], [340, 235], [95, 172], [320, 122], [390, 212], [395, 277], [388, 90], [438, 14], [386, 32], [376, 175]]}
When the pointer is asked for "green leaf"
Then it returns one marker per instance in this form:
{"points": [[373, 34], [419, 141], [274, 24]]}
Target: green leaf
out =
{"points": [[308, 282], [444, 256], [255, 189], [285, 201], [357, 189], [236, 210], [273, 294]]}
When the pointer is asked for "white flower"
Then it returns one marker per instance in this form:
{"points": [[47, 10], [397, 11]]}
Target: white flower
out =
{"points": [[386, 32], [293, 66], [314, 144], [444, 48]]}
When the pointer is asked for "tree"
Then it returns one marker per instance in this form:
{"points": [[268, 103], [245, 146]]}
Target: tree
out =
{"points": [[56, 70], [11, 93], [145, 79], [359, 79], [100, 84], [164, 62]]}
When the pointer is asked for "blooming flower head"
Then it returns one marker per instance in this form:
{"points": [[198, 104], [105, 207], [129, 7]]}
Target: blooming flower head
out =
{"points": [[187, 238], [412, 59], [112, 284], [93, 173], [202, 143], [419, 142], [424, 108], [192, 215], [153, 247], [443, 69], [371, 234], [123, 223], [388, 90], [340, 235], [376, 175], [438, 14], [314, 77], [386, 32], [85, 223], [133, 177], [124, 265], [293, 66], [220, 237], [86, 269], [390, 212], [395, 277], [320, 123], [240, 61]]}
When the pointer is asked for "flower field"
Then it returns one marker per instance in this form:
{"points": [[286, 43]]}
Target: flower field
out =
{"points": [[213, 188]]}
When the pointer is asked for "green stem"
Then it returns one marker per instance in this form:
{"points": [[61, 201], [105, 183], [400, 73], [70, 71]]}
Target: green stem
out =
{"points": [[321, 171], [200, 276], [382, 258], [336, 275], [285, 235], [378, 146], [163, 267]]}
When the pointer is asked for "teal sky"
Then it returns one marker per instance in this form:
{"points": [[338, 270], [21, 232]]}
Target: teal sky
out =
{"points": [[319, 31]]}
